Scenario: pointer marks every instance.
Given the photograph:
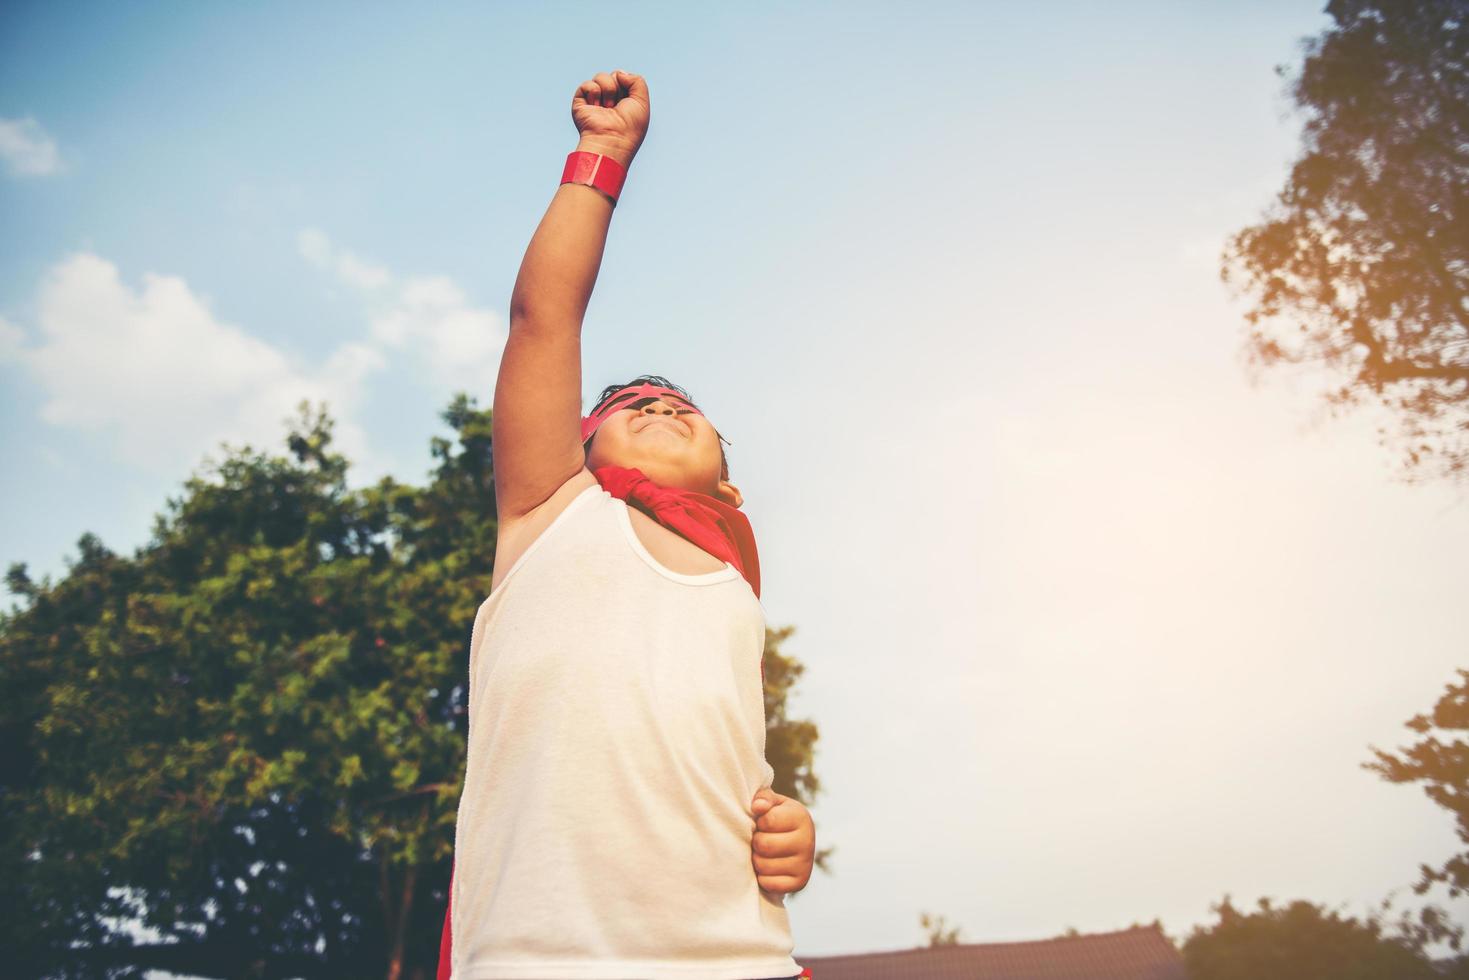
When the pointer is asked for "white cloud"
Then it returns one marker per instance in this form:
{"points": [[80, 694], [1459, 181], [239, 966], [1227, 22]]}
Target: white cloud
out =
{"points": [[27, 149], [156, 370], [426, 316], [11, 339], [152, 368], [314, 247], [354, 271]]}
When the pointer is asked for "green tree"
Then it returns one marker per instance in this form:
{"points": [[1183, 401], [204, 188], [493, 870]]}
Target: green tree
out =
{"points": [[789, 743], [1361, 265], [1440, 761], [249, 736], [1303, 941], [934, 928]]}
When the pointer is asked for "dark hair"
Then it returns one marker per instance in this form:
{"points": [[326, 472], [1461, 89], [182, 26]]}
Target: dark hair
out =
{"points": [[661, 382]]}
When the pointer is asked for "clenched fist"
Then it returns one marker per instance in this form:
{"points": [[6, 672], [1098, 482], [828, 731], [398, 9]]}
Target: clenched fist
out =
{"points": [[784, 846], [611, 113]]}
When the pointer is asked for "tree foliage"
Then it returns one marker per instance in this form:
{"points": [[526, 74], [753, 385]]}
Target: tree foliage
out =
{"points": [[1304, 941], [249, 736], [789, 742], [937, 931], [1361, 264], [1439, 760]]}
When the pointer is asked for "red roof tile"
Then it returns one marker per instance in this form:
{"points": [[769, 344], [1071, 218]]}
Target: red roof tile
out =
{"points": [[1139, 953]]}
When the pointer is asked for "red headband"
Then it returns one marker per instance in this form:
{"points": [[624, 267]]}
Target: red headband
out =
{"points": [[624, 399]]}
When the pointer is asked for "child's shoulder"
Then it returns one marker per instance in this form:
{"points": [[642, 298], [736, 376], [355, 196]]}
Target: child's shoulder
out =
{"points": [[515, 535]]}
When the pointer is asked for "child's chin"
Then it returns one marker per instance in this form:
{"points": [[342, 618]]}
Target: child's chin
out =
{"points": [[667, 476]]}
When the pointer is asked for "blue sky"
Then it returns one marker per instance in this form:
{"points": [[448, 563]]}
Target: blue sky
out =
{"points": [[1096, 630]]}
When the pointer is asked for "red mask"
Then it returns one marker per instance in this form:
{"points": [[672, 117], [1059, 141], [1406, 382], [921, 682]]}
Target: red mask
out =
{"points": [[626, 398]]}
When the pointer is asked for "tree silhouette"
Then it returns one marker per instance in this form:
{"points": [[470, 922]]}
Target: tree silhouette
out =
{"points": [[1362, 262], [934, 928], [1440, 760], [1303, 941], [789, 743], [249, 736]]}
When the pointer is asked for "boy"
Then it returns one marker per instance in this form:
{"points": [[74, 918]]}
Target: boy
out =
{"points": [[617, 819]]}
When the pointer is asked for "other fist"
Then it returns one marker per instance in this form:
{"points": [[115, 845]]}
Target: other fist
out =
{"points": [[784, 846], [611, 110]]}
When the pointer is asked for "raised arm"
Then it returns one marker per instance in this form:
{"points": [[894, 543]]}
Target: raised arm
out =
{"points": [[537, 407]]}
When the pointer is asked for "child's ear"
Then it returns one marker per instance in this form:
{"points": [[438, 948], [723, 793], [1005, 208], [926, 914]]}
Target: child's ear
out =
{"points": [[730, 493]]}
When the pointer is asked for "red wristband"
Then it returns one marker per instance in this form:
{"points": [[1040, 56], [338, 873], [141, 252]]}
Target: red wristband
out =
{"points": [[595, 170]]}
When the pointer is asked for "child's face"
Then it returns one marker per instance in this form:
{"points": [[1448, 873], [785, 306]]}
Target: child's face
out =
{"points": [[673, 445]]}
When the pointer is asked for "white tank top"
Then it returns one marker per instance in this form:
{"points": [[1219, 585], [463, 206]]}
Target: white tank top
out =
{"points": [[616, 739]]}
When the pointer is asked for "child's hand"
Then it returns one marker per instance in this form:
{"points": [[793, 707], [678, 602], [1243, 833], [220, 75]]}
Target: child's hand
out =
{"points": [[784, 845], [611, 110]]}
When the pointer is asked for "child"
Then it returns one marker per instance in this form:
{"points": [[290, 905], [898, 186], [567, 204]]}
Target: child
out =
{"points": [[617, 819]]}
